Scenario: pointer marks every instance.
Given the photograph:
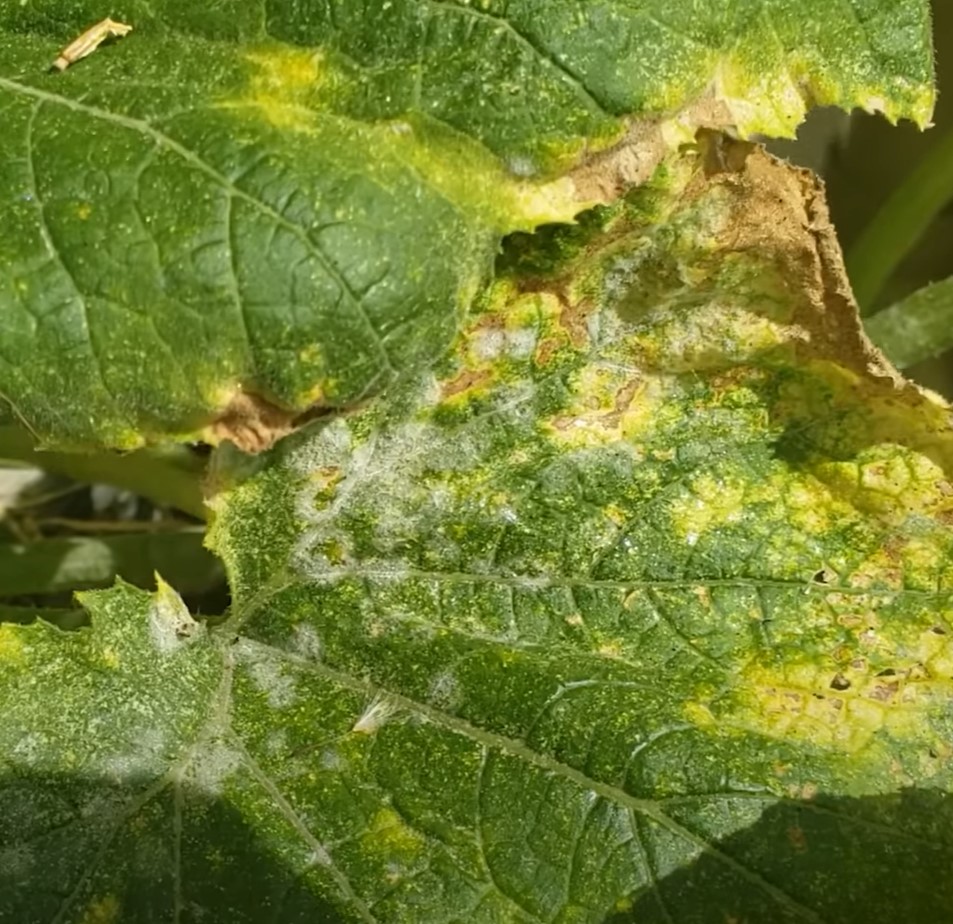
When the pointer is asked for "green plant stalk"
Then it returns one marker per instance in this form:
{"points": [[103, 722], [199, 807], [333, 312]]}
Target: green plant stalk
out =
{"points": [[55, 565], [900, 223], [170, 478], [917, 328]]}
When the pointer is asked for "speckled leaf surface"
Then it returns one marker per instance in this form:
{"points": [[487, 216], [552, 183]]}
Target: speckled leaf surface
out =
{"points": [[243, 209], [636, 608]]}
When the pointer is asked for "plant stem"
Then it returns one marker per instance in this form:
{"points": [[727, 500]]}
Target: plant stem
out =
{"points": [[167, 477], [917, 328], [900, 222]]}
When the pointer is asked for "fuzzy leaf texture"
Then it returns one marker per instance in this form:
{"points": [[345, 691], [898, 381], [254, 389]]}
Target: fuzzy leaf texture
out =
{"points": [[636, 608], [244, 209]]}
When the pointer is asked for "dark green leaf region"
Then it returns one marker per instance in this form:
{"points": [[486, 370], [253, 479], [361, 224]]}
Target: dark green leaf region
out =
{"points": [[244, 209]]}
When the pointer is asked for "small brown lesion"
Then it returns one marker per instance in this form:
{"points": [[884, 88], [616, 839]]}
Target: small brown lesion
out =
{"points": [[467, 380], [885, 692], [548, 348], [623, 401], [574, 317]]}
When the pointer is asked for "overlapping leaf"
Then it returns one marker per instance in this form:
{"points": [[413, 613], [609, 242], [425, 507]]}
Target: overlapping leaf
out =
{"points": [[244, 209], [636, 608]]}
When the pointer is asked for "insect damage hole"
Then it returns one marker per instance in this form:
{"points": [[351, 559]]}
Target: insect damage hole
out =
{"points": [[89, 41]]}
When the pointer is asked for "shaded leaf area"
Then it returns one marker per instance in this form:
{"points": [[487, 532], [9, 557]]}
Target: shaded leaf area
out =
{"points": [[172, 808], [238, 212], [636, 608]]}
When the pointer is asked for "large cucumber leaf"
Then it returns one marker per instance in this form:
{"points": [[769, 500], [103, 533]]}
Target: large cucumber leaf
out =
{"points": [[637, 608], [245, 209]]}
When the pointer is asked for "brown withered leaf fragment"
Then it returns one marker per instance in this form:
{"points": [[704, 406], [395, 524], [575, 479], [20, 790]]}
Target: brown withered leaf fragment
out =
{"points": [[605, 176], [251, 423]]}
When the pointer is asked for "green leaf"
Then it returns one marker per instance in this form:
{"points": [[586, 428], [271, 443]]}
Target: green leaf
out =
{"points": [[917, 328], [636, 608], [235, 213]]}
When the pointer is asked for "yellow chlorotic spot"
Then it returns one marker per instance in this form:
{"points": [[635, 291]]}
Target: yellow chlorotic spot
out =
{"points": [[103, 910], [469, 175], [325, 478], [83, 211], [808, 505], [699, 714], [921, 109], [712, 502], [890, 476], [920, 556], [110, 658], [891, 480], [388, 835], [288, 70], [11, 645], [284, 86]]}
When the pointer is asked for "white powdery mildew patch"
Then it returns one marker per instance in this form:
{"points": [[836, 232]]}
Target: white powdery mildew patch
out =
{"points": [[305, 642], [103, 809], [31, 749], [522, 166], [444, 692], [330, 759], [212, 767], [144, 757], [277, 741], [377, 479], [269, 674], [487, 345], [384, 506]]}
